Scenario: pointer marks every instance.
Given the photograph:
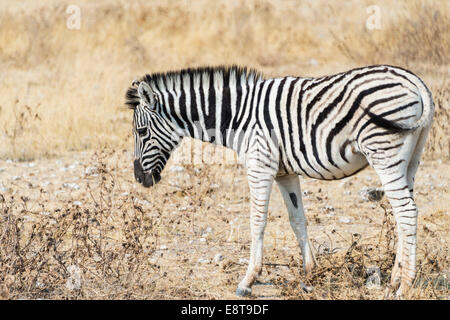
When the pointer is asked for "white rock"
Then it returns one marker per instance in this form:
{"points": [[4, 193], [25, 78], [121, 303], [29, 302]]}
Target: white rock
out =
{"points": [[329, 208], [45, 213], [202, 260], [202, 240], [243, 261], [77, 203], [124, 194], [345, 220], [176, 169], [73, 186], [15, 178], [218, 257], [214, 186], [163, 247]]}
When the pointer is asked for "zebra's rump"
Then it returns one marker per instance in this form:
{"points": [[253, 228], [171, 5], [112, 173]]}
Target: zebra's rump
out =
{"points": [[329, 120]]}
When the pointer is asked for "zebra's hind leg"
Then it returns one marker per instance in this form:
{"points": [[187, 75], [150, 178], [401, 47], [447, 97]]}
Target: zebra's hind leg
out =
{"points": [[392, 167], [260, 184], [415, 158], [290, 189]]}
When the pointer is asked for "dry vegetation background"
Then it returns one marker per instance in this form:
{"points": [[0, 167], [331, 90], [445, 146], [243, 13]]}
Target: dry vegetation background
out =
{"points": [[74, 224]]}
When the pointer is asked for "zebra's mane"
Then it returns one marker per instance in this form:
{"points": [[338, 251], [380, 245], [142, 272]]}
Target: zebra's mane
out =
{"points": [[229, 73]]}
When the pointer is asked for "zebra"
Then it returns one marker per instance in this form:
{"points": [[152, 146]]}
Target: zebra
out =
{"points": [[325, 128]]}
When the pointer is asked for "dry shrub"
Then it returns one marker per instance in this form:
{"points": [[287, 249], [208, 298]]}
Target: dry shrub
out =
{"points": [[343, 274], [77, 251]]}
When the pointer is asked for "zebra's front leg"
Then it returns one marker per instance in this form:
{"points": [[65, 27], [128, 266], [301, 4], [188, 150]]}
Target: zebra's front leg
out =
{"points": [[260, 185], [290, 189]]}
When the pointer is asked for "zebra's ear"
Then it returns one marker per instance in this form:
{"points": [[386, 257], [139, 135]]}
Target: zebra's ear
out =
{"points": [[147, 95]]}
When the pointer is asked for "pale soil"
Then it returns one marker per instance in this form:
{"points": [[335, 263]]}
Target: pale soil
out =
{"points": [[192, 213]]}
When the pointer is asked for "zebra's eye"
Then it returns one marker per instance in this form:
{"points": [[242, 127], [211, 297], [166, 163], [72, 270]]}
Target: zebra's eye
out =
{"points": [[142, 131]]}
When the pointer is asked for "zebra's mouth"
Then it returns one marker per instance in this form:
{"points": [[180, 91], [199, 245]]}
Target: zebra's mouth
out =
{"points": [[147, 179]]}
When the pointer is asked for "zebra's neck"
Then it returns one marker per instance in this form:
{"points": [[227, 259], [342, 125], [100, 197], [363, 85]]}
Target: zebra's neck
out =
{"points": [[208, 103]]}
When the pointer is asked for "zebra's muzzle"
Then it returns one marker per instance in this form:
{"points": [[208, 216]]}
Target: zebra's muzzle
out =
{"points": [[147, 179]]}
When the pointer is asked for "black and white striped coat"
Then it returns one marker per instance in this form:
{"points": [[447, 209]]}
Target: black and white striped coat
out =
{"points": [[325, 128]]}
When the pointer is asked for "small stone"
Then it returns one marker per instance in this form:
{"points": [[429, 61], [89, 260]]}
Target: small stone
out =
{"points": [[77, 203], [371, 194], [176, 169], [163, 247], [243, 261], [218, 257], [73, 186], [202, 239], [344, 220], [15, 178], [202, 260], [374, 277]]}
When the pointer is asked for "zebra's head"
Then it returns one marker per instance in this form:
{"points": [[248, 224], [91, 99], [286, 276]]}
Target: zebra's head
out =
{"points": [[154, 136]]}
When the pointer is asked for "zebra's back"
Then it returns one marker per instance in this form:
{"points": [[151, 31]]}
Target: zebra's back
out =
{"points": [[326, 127]]}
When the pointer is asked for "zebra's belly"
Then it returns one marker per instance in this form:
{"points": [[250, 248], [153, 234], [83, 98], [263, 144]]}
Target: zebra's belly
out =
{"points": [[343, 165], [356, 162]]}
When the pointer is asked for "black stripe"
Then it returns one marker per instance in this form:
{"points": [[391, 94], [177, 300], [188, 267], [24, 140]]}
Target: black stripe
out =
{"points": [[356, 104], [266, 109], [302, 143]]}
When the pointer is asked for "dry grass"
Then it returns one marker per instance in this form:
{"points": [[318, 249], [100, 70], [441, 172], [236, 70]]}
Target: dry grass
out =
{"points": [[74, 80], [84, 215], [62, 98]]}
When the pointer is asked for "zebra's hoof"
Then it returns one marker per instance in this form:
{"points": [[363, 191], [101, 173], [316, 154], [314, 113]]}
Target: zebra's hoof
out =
{"points": [[243, 292]]}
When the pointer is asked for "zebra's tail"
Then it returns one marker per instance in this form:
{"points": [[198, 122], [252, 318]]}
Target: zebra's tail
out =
{"points": [[425, 119]]}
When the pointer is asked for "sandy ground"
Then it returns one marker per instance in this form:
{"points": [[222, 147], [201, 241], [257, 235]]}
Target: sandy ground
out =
{"points": [[197, 213]]}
